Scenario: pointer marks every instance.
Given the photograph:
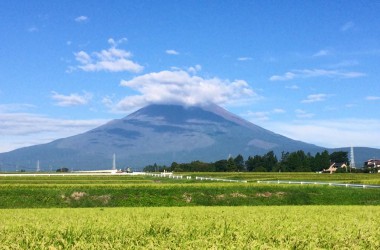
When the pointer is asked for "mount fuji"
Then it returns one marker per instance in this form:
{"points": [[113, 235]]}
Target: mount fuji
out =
{"points": [[159, 134]]}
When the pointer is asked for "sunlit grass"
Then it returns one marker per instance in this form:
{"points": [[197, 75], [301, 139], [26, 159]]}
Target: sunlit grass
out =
{"points": [[285, 227]]}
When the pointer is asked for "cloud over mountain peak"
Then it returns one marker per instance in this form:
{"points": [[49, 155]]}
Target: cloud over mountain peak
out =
{"points": [[182, 87]]}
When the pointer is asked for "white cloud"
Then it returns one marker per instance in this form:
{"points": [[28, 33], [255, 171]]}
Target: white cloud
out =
{"points": [[242, 59], [81, 19], [309, 73], [71, 100], [347, 26], [111, 60], [292, 87], [331, 133], [15, 107], [194, 69], [257, 116], [350, 105], [32, 29], [262, 115], [83, 57], [314, 98], [285, 77], [278, 111], [344, 63], [322, 52], [172, 52], [114, 43], [179, 87], [303, 114], [372, 98], [26, 129], [107, 101]]}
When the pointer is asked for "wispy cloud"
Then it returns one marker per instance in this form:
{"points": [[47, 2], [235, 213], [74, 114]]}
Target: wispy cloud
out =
{"points": [[372, 98], [350, 105], [179, 86], [344, 63], [303, 114], [284, 77], [194, 69], [292, 87], [15, 107], [71, 100], [111, 60], [115, 43], [315, 98], [278, 111], [309, 73], [81, 19], [257, 116], [331, 133], [242, 59], [321, 53], [26, 129], [172, 52], [32, 29], [262, 115], [347, 26]]}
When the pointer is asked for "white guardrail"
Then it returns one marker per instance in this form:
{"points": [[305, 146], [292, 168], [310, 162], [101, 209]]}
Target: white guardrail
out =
{"points": [[321, 183], [170, 175]]}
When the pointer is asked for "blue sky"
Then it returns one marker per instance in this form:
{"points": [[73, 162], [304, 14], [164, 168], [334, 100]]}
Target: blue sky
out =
{"points": [[309, 70]]}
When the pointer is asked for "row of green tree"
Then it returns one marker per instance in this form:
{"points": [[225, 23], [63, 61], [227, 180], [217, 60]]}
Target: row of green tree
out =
{"points": [[290, 162]]}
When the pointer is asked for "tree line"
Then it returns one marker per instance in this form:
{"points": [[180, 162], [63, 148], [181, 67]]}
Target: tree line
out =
{"points": [[298, 161]]}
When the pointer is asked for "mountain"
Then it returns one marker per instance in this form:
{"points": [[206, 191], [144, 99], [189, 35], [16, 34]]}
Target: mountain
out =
{"points": [[158, 134]]}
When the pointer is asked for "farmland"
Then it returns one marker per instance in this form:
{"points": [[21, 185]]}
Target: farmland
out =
{"points": [[351, 227], [115, 212]]}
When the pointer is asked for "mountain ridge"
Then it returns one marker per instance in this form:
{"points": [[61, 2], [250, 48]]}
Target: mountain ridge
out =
{"points": [[161, 134]]}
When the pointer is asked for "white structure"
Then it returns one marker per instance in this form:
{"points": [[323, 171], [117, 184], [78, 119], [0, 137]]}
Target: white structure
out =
{"points": [[38, 169], [352, 158], [114, 162]]}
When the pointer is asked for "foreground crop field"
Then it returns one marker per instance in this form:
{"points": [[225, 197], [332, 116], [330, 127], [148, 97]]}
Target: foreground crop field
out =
{"points": [[144, 212], [284, 227]]}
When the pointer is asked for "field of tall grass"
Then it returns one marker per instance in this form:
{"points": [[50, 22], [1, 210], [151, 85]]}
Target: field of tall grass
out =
{"points": [[260, 227], [143, 212]]}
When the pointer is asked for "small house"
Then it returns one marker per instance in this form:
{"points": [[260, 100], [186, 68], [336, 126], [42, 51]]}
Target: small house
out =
{"points": [[373, 165]]}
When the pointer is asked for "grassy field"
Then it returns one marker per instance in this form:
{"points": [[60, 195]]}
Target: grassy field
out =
{"points": [[142, 212], [285, 227], [248, 176], [137, 191]]}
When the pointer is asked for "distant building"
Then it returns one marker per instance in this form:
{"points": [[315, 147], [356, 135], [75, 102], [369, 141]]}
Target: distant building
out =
{"points": [[373, 165], [334, 166]]}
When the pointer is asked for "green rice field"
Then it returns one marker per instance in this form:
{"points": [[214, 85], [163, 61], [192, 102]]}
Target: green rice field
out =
{"points": [[144, 212], [260, 227]]}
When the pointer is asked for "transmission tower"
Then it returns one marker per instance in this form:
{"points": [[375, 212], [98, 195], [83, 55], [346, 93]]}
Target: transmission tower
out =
{"points": [[38, 166], [114, 162], [352, 158]]}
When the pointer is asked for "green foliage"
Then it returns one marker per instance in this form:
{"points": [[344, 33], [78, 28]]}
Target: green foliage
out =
{"points": [[239, 163], [321, 161], [65, 170], [339, 157], [221, 166], [297, 161]]}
